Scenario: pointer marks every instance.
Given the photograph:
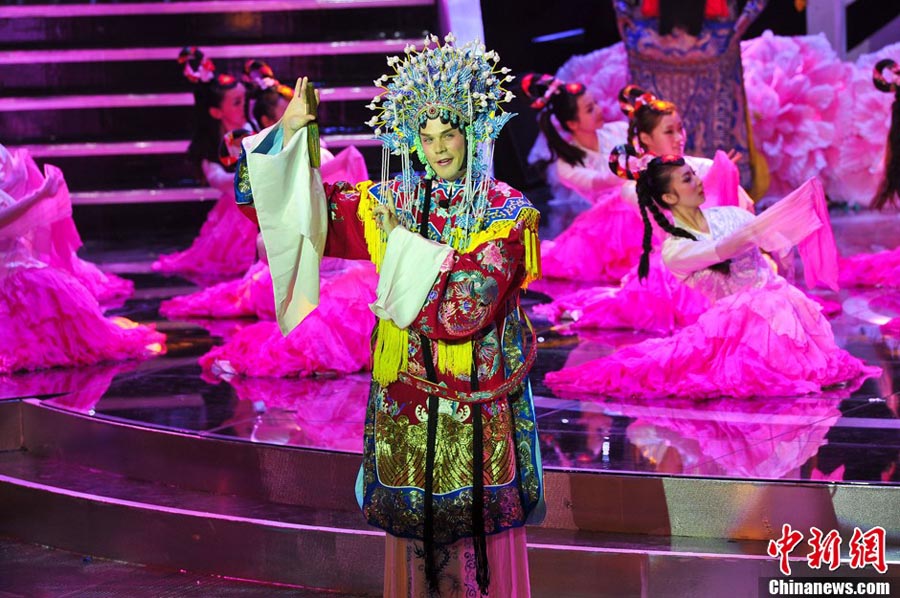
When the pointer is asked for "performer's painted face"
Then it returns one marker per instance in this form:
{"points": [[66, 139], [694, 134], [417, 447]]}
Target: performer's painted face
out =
{"points": [[589, 118], [445, 148], [685, 188], [231, 110], [667, 138]]}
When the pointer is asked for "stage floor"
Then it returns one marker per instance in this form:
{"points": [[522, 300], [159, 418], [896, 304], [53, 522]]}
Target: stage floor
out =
{"points": [[841, 435]]}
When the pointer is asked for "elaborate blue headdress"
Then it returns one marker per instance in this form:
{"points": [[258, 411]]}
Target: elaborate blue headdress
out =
{"points": [[462, 85]]}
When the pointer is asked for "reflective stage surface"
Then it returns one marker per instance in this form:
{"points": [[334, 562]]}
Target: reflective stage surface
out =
{"points": [[844, 434]]}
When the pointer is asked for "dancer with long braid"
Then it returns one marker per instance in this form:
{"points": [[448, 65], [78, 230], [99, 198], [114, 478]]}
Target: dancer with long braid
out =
{"points": [[580, 152], [761, 336], [657, 302]]}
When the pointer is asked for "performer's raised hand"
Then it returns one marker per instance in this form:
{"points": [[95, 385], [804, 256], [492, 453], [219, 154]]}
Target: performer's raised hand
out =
{"points": [[298, 113], [386, 216], [735, 156]]}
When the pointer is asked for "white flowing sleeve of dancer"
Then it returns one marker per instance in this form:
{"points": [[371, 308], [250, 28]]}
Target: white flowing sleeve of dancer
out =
{"points": [[596, 176], [293, 216], [585, 181], [218, 177], [683, 257], [49, 206], [411, 265], [790, 220]]}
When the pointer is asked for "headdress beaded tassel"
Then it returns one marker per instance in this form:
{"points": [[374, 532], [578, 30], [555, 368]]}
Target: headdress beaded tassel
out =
{"points": [[460, 84]]}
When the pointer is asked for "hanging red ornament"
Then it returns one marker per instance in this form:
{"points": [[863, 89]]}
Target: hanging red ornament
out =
{"points": [[715, 9]]}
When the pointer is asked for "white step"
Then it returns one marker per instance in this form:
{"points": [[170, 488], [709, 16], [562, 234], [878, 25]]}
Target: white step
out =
{"points": [[141, 100], [33, 57], [183, 8]]}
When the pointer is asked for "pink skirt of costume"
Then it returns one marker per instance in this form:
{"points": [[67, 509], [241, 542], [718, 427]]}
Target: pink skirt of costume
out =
{"points": [[880, 269], [335, 337], [225, 247], [49, 319], [106, 287], [659, 303], [601, 245], [507, 552], [250, 296], [771, 341]]}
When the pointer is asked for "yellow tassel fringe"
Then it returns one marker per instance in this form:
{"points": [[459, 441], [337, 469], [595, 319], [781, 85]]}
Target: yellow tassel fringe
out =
{"points": [[455, 358], [376, 241], [391, 354]]}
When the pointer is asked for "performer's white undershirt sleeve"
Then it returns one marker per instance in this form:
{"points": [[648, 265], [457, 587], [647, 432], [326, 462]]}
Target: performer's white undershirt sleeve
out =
{"points": [[683, 257], [411, 265], [584, 180]]}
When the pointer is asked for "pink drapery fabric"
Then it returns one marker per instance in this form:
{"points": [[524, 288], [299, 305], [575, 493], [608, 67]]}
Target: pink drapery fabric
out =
{"points": [[721, 182], [349, 165]]}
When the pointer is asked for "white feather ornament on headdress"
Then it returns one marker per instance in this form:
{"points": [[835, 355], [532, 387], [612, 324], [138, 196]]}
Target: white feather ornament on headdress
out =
{"points": [[460, 85]]}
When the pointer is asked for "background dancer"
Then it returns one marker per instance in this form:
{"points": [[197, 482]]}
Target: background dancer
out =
{"points": [[761, 336], [226, 245], [19, 177], [658, 302], [580, 164], [881, 269], [48, 318]]}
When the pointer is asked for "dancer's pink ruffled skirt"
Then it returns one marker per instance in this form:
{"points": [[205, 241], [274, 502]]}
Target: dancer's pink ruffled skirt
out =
{"points": [[106, 287], [601, 245], [772, 341], [880, 269], [49, 319], [250, 296], [226, 245], [660, 303], [333, 338]]}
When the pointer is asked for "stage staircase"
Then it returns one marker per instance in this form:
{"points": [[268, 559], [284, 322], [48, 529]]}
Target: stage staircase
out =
{"points": [[95, 89]]}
